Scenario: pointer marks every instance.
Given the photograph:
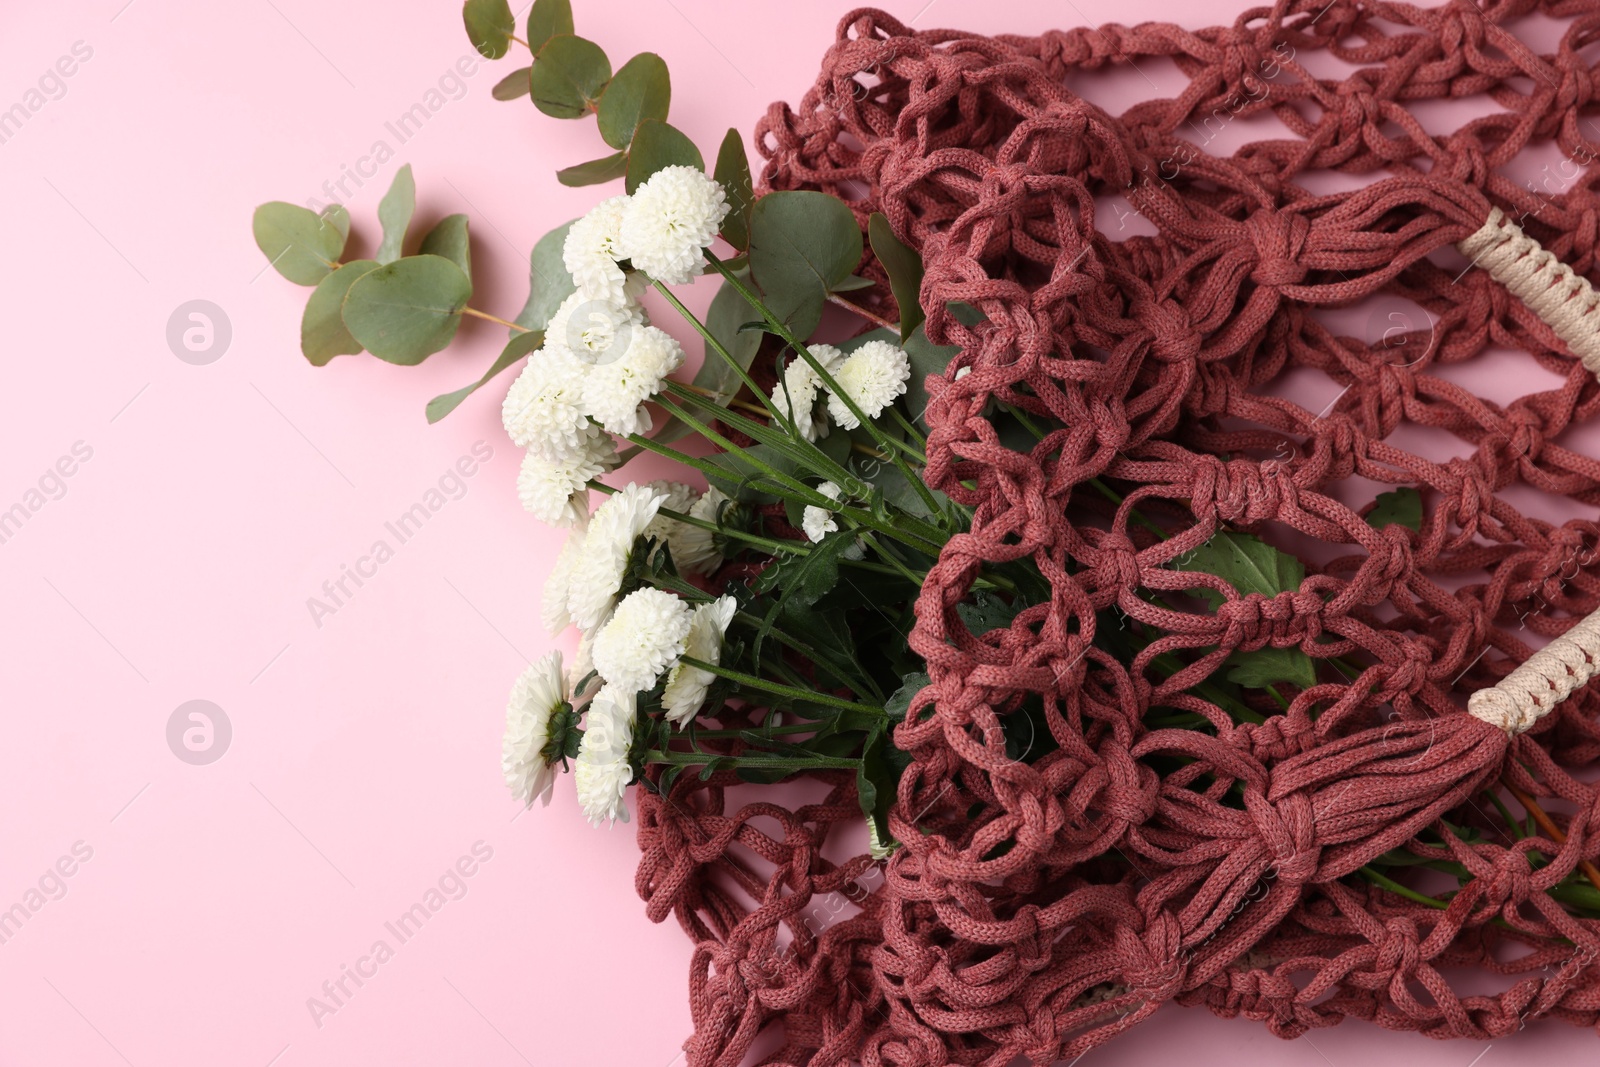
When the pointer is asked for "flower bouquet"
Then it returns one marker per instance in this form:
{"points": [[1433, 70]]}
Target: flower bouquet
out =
{"points": [[1148, 682]]}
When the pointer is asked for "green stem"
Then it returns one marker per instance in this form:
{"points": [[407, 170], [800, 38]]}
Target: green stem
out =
{"points": [[763, 685], [879, 437]]}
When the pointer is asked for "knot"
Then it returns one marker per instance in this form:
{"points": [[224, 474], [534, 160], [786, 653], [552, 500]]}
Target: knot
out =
{"points": [[1173, 337], [1119, 562], [1524, 433], [1279, 237], [1394, 954], [1240, 491], [1473, 496], [1576, 87], [1288, 832], [1388, 562], [1507, 883], [1151, 962]]}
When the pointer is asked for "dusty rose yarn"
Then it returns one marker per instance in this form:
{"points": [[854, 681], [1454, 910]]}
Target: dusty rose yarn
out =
{"points": [[1039, 908]]}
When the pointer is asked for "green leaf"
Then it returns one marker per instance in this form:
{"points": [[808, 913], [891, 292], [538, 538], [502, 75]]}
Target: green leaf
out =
{"points": [[733, 174], [568, 76], [728, 312], [323, 334], [876, 784], [852, 283], [987, 612], [899, 702], [394, 212], [802, 244], [408, 310], [804, 580], [905, 271], [548, 281], [926, 358], [640, 90], [547, 19], [513, 85], [1401, 506], [339, 217], [1245, 562], [490, 25], [735, 483], [301, 245], [450, 240], [515, 349], [605, 169], [1264, 667], [655, 146]]}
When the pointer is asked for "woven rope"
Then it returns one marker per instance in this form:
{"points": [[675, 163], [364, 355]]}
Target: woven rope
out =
{"points": [[1038, 908]]}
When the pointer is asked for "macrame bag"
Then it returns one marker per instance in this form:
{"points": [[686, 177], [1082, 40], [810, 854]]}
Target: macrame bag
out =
{"points": [[1038, 908]]}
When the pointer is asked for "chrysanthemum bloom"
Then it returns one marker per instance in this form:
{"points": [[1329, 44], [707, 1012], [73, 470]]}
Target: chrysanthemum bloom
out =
{"points": [[553, 603], [557, 491], [594, 329], [539, 693], [671, 218], [603, 772], [694, 549], [590, 251], [795, 397], [607, 550], [614, 393], [818, 522], [686, 686], [873, 375], [641, 639], [543, 411]]}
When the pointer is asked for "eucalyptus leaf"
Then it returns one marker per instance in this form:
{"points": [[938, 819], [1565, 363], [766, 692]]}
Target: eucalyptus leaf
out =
{"points": [[548, 281], [339, 216], [490, 25], [450, 239], [727, 313], [640, 90], [323, 333], [596, 171], [519, 346], [904, 267], [513, 85], [568, 76], [1401, 506], [852, 283], [301, 245], [547, 19], [926, 358], [802, 244], [394, 212], [733, 174], [657, 145], [408, 310]]}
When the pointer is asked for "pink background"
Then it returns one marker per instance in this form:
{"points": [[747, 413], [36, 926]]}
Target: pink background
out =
{"points": [[178, 561]]}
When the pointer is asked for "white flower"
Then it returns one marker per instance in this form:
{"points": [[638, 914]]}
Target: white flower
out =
{"points": [[590, 251], [614, 393], [557, 491], [873, 375], [543, 409], [643, 637], [553, 604], [686, 686], [603, 771], [818, 522], [607, 548], [695, 549], [670, 219], [540, 692], [795, 396], [593, 329]]}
